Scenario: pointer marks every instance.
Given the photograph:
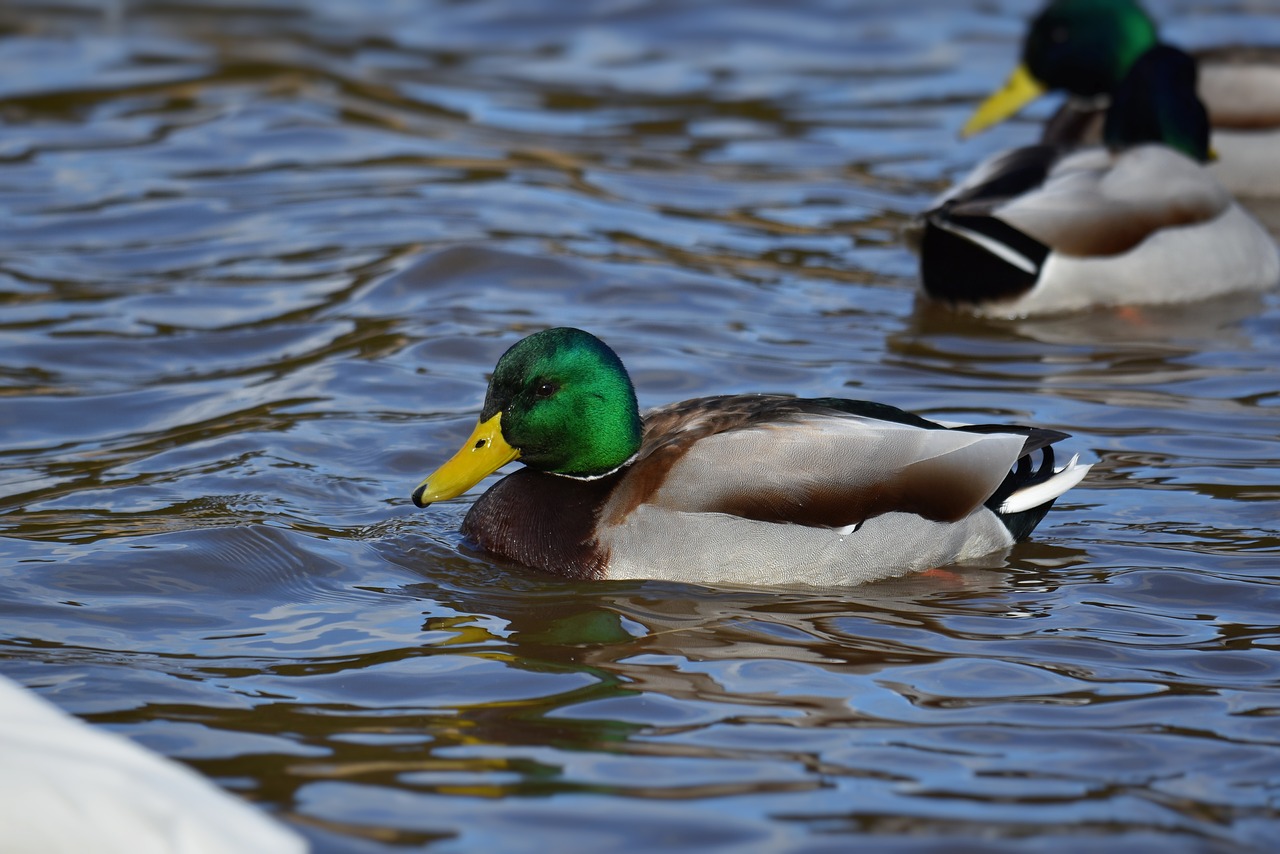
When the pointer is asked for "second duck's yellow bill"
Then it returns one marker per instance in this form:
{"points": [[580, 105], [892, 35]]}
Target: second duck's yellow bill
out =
{"points": [[1018, 91]]}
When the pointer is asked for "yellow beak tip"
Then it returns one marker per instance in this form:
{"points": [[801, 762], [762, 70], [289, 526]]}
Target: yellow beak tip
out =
{"points": [[484, 452], [1018, 91]]}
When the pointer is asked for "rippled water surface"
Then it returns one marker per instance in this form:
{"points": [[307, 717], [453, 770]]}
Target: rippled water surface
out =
{"points": [[257, 259]]}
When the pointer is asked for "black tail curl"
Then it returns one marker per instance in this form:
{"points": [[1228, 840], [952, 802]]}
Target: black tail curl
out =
{"points": [[1025, 473]]}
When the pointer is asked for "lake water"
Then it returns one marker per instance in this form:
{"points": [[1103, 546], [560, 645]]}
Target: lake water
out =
{"points": [[257, 260]]}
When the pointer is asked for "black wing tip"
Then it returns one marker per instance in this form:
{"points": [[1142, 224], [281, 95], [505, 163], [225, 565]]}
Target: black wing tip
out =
{"points": [[1036, 437]]}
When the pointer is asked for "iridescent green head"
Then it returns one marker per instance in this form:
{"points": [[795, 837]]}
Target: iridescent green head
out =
{"points": [[1086, 47], [567, 403], [559, 401]]}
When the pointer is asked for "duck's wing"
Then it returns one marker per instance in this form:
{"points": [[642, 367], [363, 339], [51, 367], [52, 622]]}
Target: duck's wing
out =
{"points": [[1002, 176], [826, 468], [1097, 204], [994, 180]]}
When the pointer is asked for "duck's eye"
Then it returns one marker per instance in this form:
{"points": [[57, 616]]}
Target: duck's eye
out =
{"points": [[546, 390], [1060, 34]]}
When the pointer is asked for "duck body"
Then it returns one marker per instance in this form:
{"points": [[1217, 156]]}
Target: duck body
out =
{"points": [[1044, 230], [735, 489], [1136, 220], [767, 489], [1085, 48]]}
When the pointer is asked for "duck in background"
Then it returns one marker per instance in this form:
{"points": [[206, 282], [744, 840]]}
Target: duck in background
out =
{"points": [[70, 788], [1139, 220], [737, 489], [1086, 47]]}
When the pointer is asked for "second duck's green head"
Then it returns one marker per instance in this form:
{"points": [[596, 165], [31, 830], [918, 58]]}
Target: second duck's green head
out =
{"points": [[560, 401], [1084, 47]]}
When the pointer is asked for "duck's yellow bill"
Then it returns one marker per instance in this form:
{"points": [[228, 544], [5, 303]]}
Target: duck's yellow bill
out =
{"points": [[1018, 91], [484, 452]]}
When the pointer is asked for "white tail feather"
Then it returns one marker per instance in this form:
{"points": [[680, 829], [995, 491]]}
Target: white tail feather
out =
{"points": [[1033, 496]]}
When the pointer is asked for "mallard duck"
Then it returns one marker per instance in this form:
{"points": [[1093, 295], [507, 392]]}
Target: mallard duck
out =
{"points": [[1086, 47], [70, 787], [745, 489], [1048, 228]]}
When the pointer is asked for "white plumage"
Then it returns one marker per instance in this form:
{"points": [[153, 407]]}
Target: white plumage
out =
{"points": [[70, 788]]}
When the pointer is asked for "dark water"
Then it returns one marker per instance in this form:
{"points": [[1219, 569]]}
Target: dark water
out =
{"points": [[256, 261]]}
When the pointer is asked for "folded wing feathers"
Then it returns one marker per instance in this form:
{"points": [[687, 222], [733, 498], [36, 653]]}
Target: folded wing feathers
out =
{"points": [[838, 471], [1036, 437], [1094, 204]]}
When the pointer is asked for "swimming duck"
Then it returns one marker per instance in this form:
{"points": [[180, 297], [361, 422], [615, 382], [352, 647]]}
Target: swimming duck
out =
{"points": [[1048, 228], [744, 489], [1086, 47]]}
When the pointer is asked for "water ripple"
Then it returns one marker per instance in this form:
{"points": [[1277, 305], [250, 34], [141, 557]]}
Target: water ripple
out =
{"points": [[257, 263]]}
